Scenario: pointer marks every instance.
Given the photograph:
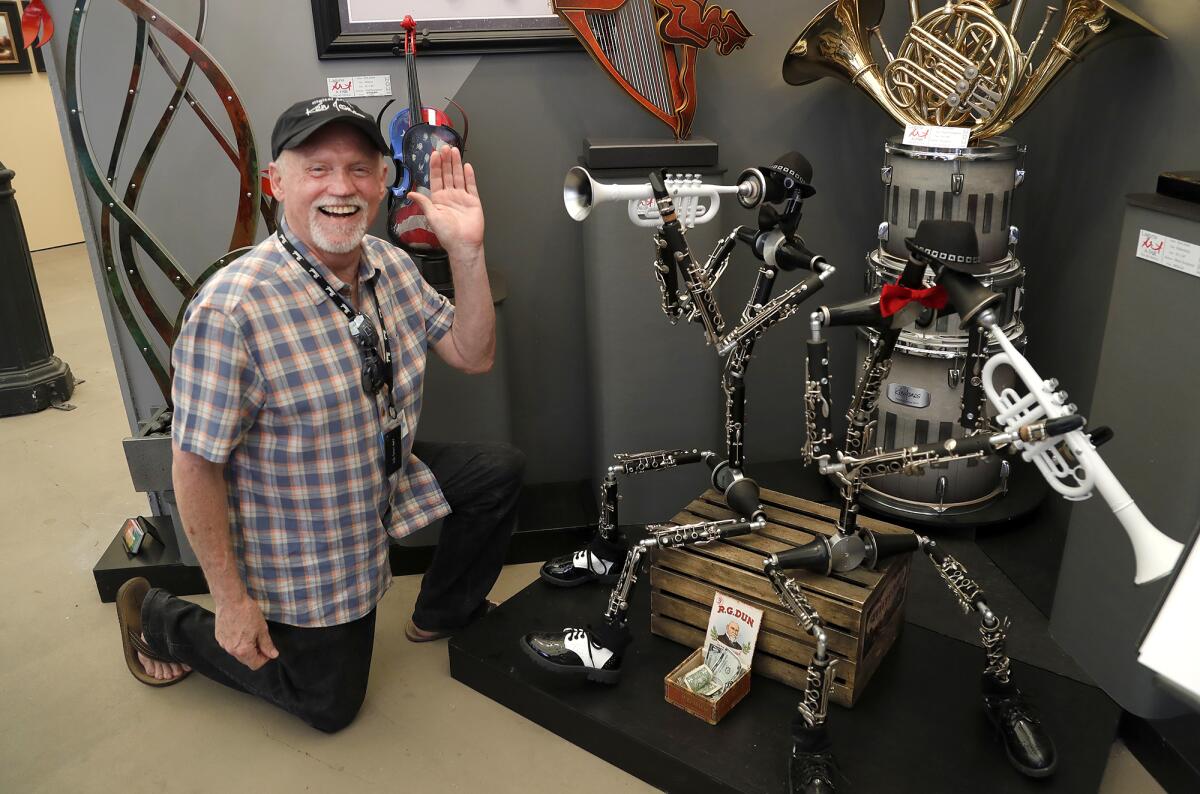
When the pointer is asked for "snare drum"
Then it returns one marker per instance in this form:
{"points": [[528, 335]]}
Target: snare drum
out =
{"points": [[920, 403], [974, 184], [1007, 276]]}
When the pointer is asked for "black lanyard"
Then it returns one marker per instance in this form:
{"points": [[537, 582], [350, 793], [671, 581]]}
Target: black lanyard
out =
{"points": [[355, 317]]}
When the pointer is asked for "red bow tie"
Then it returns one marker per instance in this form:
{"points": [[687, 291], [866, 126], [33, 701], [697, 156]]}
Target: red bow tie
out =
{"points": [[895, 297]]}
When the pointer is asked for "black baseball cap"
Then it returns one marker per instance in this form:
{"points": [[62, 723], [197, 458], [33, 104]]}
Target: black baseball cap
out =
{"points": [[302, 119]]}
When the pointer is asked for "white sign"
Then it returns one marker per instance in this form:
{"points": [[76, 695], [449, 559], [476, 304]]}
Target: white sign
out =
{"points": [[1176, 254], [937, 137], [363, 85]]}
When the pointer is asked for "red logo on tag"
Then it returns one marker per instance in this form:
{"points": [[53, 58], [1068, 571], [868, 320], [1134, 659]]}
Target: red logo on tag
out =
{"points": [[1148, 244]]}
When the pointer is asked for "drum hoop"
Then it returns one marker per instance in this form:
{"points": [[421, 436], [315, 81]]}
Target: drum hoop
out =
{"points": [[1013, 269], [1015, 331], [901, 503], [1000, 148]]}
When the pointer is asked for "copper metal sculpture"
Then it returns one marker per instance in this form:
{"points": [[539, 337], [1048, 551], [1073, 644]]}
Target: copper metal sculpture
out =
{"points": [[648, 47], [122, 270]]}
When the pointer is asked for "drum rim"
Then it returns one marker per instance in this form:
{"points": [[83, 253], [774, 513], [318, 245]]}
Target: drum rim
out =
{"points": [[1015, 331], [997, 148], [1011, 263]]}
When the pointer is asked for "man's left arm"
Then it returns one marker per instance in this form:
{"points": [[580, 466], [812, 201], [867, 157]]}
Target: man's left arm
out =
{"points": [[455, 215]]}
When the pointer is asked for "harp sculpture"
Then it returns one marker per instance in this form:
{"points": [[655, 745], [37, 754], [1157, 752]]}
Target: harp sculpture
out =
{"points": [[648, 48]]}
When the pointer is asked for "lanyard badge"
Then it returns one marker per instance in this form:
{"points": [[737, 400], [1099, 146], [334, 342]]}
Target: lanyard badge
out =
{"points": [[377, 371]]}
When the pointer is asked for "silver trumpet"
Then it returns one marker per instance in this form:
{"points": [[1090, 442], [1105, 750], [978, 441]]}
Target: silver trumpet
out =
{"points": [[1079, 469], [581, 193]]}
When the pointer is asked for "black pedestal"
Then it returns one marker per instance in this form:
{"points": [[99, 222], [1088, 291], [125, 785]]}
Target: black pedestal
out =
{"points": [[919, 726], [31, 377]]}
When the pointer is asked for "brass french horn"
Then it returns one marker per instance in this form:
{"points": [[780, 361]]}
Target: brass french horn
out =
{"points": [[958, 65]]}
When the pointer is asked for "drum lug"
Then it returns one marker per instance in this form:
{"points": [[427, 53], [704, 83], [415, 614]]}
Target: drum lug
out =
{"points": [[956, 183], [882, 232], [885, 174], [941, 494], [1021, 151], [1005, 468], [1014, 235], [954, 375]]}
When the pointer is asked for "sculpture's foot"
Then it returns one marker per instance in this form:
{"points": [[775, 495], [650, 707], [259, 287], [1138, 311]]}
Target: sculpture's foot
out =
{"points": [[1028, 746], [811, 767], [600, 562], [573, 652]]}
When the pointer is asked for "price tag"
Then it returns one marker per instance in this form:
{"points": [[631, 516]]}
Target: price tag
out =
{"points": [[363, 85], [937, 137], [1167, 251]]}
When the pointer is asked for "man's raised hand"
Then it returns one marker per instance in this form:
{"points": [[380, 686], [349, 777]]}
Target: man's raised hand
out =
{"points": [[453, 208]]}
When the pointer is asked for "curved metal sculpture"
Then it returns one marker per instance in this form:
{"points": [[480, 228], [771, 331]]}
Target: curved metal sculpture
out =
{"points": [[120, 263]]}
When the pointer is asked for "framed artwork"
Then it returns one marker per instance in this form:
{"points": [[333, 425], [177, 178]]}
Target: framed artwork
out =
{"points": [[14, 58], [360, 28]]}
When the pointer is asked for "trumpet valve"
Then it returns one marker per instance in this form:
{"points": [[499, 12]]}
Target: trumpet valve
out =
{"points": [[1052, 384], [1060, 397]]}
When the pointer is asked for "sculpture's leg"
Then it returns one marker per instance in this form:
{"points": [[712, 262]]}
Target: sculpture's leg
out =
{"points": [[810, 766], [601, 560], [1029, 747], [595, 652]]}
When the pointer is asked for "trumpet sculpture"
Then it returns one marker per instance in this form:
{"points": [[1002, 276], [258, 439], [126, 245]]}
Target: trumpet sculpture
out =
{"points": [[958, 65], [1071, 463], [581, 193]]}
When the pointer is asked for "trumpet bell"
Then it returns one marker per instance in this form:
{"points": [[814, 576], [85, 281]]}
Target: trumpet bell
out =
{"points": [[834, 43], [1154, 553], [578, 193]]}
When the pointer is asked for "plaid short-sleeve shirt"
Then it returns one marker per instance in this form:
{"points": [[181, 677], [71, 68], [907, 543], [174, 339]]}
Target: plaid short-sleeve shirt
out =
{"points": [[268, 381]]}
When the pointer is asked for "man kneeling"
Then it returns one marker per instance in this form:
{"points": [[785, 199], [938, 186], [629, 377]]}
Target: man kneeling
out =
{"points": [[297, 390]]}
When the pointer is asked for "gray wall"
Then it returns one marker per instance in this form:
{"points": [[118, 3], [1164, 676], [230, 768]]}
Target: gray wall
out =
{"points": [[1106, 129]]}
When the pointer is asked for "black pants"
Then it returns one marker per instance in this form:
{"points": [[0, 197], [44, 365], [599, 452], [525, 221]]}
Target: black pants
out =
{"points": [[321, 673]]}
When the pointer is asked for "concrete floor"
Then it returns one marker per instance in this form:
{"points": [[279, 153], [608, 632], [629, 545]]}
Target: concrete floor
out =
{"points": [[73, 718]]}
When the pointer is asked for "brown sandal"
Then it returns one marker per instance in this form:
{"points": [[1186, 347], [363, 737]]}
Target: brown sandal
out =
{"points": [[129, 615]]}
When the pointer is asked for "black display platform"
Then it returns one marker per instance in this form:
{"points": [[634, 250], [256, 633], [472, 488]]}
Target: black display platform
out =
{"points": [[158, 563], [918, 727]]}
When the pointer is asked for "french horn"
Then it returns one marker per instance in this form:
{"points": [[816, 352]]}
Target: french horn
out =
{"points": [[958, 65]]}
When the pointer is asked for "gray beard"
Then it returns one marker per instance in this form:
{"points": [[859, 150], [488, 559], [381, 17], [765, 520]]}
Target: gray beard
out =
{"points": [[341, 243]]}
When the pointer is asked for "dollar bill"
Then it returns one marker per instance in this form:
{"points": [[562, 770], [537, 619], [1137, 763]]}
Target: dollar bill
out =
{"points": [[699, 679]]}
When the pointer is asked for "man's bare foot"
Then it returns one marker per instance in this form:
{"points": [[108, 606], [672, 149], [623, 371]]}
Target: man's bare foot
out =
{"points": [[163, 671]]}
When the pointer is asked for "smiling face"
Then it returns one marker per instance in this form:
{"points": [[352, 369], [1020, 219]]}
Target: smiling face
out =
{"points": [[331, 187]]}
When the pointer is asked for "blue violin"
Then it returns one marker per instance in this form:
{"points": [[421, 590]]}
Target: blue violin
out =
{"points": [[416, 133]]}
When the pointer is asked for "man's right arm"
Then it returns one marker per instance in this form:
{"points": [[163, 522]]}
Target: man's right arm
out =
{"points": [[203, 501]]}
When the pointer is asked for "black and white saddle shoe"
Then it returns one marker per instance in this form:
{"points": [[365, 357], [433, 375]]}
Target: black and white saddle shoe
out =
{"points": [[573, 652], [1028, 746], [580, 567]]}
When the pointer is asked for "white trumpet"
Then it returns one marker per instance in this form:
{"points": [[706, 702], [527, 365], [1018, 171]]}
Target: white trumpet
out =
{"points": [[1155, 554], [581, 193]]}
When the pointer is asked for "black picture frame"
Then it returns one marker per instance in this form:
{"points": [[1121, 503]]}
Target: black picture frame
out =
{"points": [[338, 38], [14, 58]]}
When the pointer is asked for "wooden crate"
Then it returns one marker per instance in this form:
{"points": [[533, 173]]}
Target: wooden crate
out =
{"points": [[707, 709], [861, 610]]}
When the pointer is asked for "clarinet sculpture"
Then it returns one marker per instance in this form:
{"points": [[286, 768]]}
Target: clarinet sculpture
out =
{"points": [[595, 652], [1041, 425]]}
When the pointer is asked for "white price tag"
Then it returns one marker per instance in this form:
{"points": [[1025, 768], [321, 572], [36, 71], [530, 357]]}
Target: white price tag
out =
{"points": [[937, 137], [363, 85], [1167, 251]]}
